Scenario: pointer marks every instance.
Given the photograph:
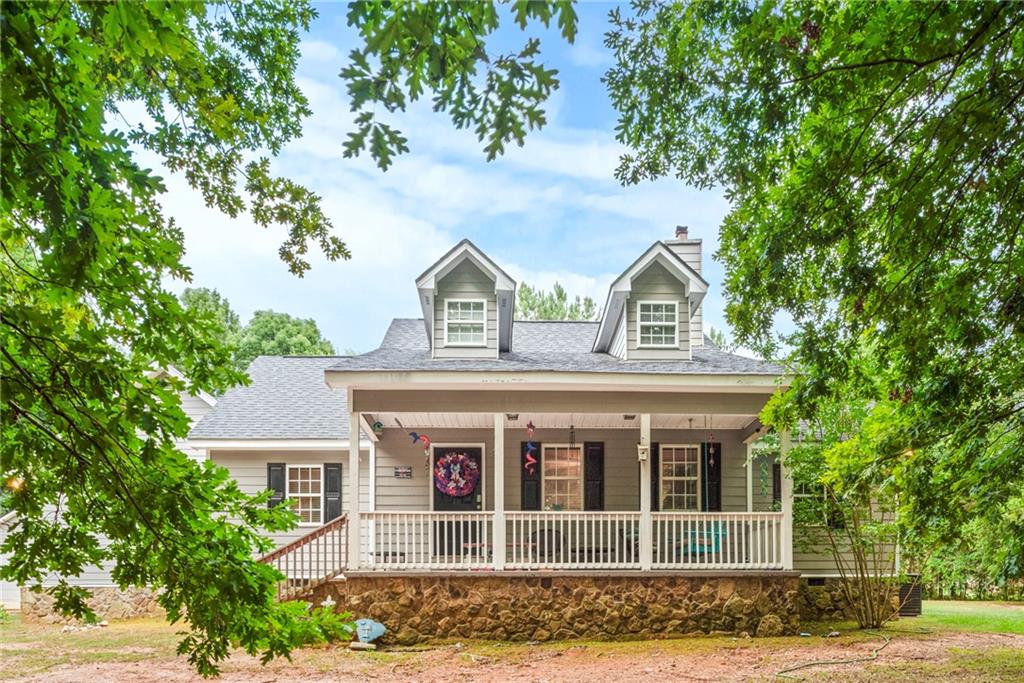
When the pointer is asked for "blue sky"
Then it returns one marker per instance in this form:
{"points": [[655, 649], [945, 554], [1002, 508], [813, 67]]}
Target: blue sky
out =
{"points": [[549, 211]]}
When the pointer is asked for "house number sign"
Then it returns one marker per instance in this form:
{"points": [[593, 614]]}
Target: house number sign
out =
{"points": [[403, 473]]}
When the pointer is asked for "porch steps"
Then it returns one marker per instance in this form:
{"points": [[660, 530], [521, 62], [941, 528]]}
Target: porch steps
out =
{"points": [[311, 560]]}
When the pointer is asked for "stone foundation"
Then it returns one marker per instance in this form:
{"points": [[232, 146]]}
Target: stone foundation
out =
{"points": [[828, 603], [540, 606], [107, 602]]}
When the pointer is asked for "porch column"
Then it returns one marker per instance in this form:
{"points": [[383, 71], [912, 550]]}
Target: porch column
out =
{"points": [[353, 488], [498, 532], [646, 521], [787, 502], [750, 477]]}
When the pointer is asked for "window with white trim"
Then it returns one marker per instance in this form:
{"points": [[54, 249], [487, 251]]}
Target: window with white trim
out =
{"points": [[680, 478], [562, 477], [305, 492], [465, 322], [658, 323]]}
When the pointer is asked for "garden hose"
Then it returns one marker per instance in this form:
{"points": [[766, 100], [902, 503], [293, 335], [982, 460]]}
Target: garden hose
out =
{"points": [[784, 673]]}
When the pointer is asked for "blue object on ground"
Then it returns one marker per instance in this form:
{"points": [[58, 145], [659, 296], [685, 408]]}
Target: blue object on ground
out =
{"points": [[369, 630]]}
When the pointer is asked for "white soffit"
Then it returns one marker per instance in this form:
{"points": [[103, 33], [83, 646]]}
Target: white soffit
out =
{"points": [[561, 421]]}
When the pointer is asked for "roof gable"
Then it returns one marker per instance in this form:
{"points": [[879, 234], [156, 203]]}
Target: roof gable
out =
{"points": [[504, 287], [658, 253]]}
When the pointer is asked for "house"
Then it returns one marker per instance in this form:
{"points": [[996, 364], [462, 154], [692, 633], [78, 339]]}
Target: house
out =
{"points": [[494, 456], [481, 476]]}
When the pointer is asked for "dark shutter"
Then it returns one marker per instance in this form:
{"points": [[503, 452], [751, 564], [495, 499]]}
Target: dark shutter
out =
{"points": [[276, 482], [655, 477], [332, 491], [776, 484], [593, 475], [529, 482], [711, 473]]}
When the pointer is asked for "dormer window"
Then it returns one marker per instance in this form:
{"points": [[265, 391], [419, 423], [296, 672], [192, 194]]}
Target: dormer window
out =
{"points": [[658, 323], [465, 322]]}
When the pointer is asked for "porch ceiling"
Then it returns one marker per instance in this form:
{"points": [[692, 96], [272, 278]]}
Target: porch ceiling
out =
{"points": [[563, 420]]}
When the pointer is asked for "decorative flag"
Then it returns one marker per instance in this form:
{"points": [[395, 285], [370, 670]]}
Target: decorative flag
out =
{"points": [[529, 429], [415, 436]]}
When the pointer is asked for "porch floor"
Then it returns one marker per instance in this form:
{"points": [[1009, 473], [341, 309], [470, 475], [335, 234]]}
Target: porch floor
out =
{"points": [[544, 573]]}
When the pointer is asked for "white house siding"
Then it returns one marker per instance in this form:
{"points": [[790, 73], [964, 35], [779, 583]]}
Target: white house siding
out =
{"points": [[690, 251], [657, 284], [10, 593], [622, 473], [196, 408], [249, 469], [466, 281]]}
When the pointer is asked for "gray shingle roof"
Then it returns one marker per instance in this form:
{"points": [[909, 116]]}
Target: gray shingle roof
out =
{"points": [[287, 399], [541, 346]]}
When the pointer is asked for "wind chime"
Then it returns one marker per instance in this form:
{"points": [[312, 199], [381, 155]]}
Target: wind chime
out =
{"points": [[572, 434], [712, 450]]}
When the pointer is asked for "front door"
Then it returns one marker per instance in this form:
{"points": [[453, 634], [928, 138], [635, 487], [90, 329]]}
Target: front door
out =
{"points": [[454, 538]]}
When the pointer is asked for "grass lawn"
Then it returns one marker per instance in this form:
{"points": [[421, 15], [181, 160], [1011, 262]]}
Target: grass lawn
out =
{"points": [[962, 641]]}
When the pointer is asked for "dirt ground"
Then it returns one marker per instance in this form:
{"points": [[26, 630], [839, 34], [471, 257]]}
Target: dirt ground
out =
{"points": [[945, 656]]}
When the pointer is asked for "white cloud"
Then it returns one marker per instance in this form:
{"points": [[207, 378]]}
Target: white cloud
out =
{"points": [[548, 212], [590, 54], [320, 52]]}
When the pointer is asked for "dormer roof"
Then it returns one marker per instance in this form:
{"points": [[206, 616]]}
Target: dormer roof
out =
{"points": [[504, 286], [659, 252]]}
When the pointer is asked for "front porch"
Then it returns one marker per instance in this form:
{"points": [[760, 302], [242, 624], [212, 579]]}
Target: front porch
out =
{"points": [[694, 510]]}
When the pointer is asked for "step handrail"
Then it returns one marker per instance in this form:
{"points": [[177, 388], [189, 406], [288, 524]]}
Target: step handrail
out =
{"points": [[305, 539], [316, 558]]}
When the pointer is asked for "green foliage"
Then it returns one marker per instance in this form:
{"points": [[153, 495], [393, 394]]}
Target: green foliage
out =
{"points": [[266, 333], [438, 49], [872, 156], [200, 301], [269, 333], [86, 426], [536, 304], [304, 625], [720, 339], [845, 499]]}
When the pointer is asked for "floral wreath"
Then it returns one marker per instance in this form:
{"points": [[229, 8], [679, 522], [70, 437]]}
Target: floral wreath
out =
{"points": [[456, 474]]}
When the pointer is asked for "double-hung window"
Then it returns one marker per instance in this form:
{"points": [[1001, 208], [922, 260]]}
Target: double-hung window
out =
{"points": [[562, 481], [680, 478], [465, 322], [658, 323], [305, 492]]}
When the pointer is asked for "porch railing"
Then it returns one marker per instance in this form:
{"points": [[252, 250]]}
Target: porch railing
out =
{"points": [[717, 540], [311, 560], [400, 540], [572, 540], [426, 540]]}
